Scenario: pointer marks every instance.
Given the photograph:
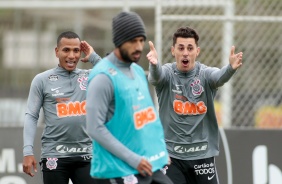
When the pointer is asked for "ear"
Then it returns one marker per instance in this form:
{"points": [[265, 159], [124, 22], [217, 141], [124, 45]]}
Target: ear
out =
{"points": [[198, 51], [172, 51], [56, 52]]}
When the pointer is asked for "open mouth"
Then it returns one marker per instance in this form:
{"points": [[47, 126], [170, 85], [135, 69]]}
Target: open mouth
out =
{"points": [[137, 55], [70, 63], [185, 61]]}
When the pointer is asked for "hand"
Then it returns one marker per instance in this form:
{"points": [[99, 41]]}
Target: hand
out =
{"points": [[152, 56], [145, 168], [87, 49], [169, 161], [29, 163], [235, 60]]}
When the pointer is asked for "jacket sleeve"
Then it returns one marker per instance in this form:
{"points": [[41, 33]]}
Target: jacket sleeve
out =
{"points": [[218, 77], [94, 58], [34, 103]]}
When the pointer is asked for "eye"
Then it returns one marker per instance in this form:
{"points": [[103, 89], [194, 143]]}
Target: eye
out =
{"points": [[132, 41], [181, 48], [142, 40]]}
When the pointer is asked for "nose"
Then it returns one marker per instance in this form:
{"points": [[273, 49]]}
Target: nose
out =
{"points": [[71, 54], [140, 45], [186, 52]]}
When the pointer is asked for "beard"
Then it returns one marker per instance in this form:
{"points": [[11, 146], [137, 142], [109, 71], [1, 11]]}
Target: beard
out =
{"points": [[126, 57]]}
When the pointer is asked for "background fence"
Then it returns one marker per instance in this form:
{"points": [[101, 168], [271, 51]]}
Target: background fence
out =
{"points": [[28, 32]]}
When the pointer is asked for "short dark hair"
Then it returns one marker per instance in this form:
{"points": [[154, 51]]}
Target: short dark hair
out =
{"points": [[68, 35], [185, 32]]}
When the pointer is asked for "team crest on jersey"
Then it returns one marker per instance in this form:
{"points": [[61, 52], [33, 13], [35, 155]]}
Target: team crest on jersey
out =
{"points": [[53, 77], [82, 82], [197, 88], [131, 179], [51, 163]]}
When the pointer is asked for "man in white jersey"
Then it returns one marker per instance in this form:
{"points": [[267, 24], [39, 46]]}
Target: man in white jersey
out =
{"points": [[128, 139], [66, 147], [186, 89]]}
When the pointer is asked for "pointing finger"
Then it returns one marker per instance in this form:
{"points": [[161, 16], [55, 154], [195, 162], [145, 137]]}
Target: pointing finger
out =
{"points": [[152, 48], [232, 50]]}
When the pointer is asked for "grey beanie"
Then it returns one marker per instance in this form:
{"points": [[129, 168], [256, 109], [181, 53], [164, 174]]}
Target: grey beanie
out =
{"points": [[126, 26]]}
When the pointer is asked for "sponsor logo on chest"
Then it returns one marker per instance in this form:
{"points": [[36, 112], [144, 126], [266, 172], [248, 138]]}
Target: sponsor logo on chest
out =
{"points": [[71, 109], [56, 91]]}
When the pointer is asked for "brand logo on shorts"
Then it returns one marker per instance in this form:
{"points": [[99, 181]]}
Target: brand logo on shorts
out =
{"points": [[51, 163], [164, 170], [209, 178], [205, 169], [131, 179]]}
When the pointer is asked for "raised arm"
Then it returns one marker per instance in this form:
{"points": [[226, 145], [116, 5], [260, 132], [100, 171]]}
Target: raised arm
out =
{"points": [[90, 54], [235, 60], [156, 73], [217, 77]]}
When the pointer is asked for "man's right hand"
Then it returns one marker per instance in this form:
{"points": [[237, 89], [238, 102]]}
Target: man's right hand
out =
{"points": [[152, 56], [29, 163], [145, 168], [87, 50]]}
